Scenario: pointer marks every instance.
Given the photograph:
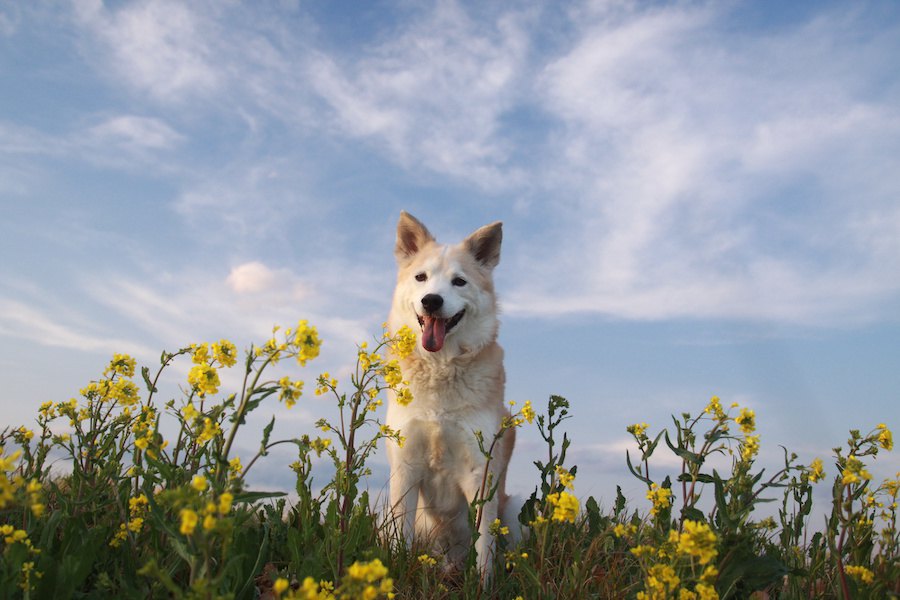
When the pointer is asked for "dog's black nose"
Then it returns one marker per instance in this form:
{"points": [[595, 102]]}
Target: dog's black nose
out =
{"points": [[432, 303]]}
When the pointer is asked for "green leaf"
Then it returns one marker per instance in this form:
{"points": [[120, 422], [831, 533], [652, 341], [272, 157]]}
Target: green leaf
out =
{"points": [[687, 455], [145, 371]]}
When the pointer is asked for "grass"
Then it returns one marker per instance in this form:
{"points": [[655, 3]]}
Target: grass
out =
{"points": [[137, 515]]}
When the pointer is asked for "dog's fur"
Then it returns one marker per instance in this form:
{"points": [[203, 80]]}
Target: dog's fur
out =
{"points": [[456, 376]]}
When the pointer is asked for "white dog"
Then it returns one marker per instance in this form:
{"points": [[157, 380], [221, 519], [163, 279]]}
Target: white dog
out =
{"points": [[446, 293]]}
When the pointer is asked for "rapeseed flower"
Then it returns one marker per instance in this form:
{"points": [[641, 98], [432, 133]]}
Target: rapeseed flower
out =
{"points": [[199, 483], [749, 447], [290, 391], [885, 438], [307, 342], [225, 352], [565, 506], [697, 539], [566, 479], [404, 342], [860, 573], [854, 471], [714, 408], [204, 379], [660, 498], [746, 420], [210, 430], [497, 528], [189, 521], [121, 364], [528, 411], [816, 472], [427, 560]]}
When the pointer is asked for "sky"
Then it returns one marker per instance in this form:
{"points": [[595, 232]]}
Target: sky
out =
{"points": [[698, 198]]}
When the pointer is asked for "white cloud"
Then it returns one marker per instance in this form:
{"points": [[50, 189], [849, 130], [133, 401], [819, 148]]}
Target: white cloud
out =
{"points": [[707, 184], [251, 277], [159, 47], [434, 92], [23, 321], [134, 132]]}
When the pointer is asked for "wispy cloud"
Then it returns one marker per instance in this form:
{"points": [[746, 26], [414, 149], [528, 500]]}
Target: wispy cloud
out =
{"points": [[135, 132], [158, 47], [708, 185], [435, 92]]}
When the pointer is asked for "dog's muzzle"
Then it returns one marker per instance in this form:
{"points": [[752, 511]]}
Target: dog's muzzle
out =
{"points": [[435, 328]]}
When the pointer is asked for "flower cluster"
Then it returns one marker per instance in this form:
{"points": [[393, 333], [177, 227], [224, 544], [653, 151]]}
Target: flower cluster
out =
{"points": [[565, 506], [669, 569], [660, 499], [362, 581]]}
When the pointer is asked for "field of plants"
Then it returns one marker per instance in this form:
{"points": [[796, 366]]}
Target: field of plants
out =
{"points": [[129, 512]]}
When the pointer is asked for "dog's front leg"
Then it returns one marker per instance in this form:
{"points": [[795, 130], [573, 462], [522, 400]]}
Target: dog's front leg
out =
{"points": [[404, 500]]}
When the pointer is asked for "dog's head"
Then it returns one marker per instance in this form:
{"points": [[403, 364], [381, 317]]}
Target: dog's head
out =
{"points": [[446, 292]]}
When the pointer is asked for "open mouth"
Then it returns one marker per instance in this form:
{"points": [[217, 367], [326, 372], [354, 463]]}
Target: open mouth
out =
{"points": [[434, 329]]}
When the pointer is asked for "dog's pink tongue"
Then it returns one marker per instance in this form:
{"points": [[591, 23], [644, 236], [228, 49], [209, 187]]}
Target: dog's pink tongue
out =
{"points": [[433, 331]]}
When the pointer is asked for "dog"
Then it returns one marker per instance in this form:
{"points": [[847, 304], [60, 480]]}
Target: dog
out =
{"points": [[456, 376]]}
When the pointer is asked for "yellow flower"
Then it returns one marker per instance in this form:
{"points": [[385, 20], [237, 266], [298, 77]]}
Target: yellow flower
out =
{"points": [[189, 412], [715, 408], [204, 379], [290, 391], [565, 506], [367, 571], [885, 438], [706, 591], [210, 430], [427, 560], [391, 373], [306, 338], [860, 573], [189, 520], [497, 528], [565, 478], [235, 466], [697, 539], [661, 581], [661, 498], [121, 364], [225, 501], [750, 447], [528, 411], [746, 420], [404, 342], [225, 352], [280, 586], [319, 445], [816, 472], [209, 522], [404, 397], [854, 471], [199, 483], [638, 430], [201, 353]]}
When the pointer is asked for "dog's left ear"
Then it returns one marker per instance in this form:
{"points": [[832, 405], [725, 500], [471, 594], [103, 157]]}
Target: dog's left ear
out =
{"points": [[412, 236], [484, 244]]}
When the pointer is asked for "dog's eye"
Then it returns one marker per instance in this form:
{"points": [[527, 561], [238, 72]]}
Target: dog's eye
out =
{"points": [[421, 277], [458, 281]]}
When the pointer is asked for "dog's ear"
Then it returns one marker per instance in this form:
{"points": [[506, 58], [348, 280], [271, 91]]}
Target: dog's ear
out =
{"points": [[412, 236], [484, 244]]}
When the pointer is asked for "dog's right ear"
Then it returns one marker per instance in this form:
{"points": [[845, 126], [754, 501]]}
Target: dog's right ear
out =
{"points": [[412, 236]]}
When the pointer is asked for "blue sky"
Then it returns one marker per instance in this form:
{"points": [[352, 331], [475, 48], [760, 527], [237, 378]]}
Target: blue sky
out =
{"points": [[698, 198]]}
